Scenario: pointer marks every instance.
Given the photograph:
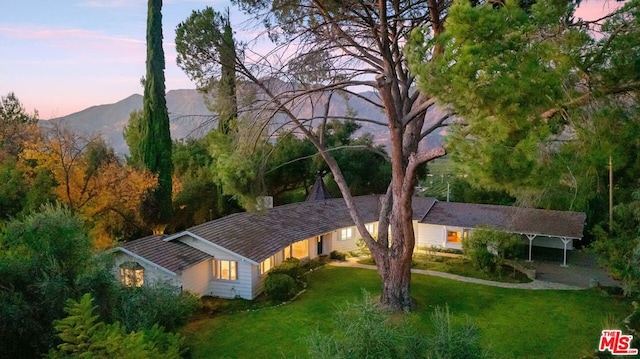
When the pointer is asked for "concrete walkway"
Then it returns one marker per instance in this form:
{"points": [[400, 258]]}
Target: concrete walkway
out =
{"points": [[534, 285]]}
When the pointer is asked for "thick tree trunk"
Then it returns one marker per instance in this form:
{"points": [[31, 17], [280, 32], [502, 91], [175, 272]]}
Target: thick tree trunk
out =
{"points": [[394, 269]]}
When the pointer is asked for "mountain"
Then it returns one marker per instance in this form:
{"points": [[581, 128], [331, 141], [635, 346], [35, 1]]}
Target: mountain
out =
{"points": [[189, 117]]}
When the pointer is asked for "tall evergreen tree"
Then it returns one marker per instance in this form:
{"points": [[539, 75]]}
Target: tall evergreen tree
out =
{"points": [[227, 102], [215, 30], [155, 143]]}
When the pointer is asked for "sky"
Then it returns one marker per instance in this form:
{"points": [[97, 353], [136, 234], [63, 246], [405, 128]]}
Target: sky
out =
{"points": [[62, 56]]}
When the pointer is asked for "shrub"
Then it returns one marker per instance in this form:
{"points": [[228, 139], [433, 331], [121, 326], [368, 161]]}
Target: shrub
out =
{"points": [[366, 330], [162, 304], [363, 249], [279, 286], [487, 248], [290, 267], [84, 336], [314, 263], [324, 258], [338, 256], [452, 342]]}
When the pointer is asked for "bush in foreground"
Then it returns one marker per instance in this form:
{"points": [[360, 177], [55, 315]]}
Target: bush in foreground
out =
{"points": [[83, 335], [365, 330], [161, 304]]}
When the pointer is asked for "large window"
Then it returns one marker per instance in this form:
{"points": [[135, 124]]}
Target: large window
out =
{"points": [[226, 270], [297, 250], [267, 264], [132, 274], [300, 249]]}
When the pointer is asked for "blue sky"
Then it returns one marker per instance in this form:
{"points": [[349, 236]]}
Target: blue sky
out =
{"points": [[62, 56]]}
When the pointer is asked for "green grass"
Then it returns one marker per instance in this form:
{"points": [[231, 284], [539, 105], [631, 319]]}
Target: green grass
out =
{"points": [[462, 267], [514, 323]]}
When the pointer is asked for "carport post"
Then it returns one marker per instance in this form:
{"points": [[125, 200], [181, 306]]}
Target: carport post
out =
{"points": [[530, 237], [565, 241]]}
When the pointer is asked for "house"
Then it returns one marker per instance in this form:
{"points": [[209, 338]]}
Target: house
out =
{"points": [[230, 256]]}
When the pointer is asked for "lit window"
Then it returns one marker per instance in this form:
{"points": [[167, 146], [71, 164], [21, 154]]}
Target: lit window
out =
{"points": [[132, 274], [346, 233], [300, 249], [267, 264], [453, 236], [227, 270]]}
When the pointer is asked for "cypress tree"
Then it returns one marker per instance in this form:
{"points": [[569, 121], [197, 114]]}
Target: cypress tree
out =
{"points": [[227, 100], [156, 143]]}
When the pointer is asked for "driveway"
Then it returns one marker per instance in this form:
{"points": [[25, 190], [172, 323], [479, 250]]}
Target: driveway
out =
{"points": [[582, 272]]}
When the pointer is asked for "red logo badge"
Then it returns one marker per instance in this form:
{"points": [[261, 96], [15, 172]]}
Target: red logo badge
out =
{"points": [[617, 343]]}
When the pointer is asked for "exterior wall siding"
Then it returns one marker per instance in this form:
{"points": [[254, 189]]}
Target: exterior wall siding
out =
{"points": [[348, 244], [258, 280], [430, 235], [242, 287], [195, 279]]}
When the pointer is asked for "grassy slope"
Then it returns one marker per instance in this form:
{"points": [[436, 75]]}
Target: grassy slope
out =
{"points": [[514, 323]]}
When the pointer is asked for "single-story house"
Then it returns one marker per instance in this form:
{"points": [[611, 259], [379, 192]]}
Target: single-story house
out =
{"points": [[230, 256]]}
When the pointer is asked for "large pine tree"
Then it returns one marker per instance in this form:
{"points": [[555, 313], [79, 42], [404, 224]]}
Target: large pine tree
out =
{"points": [[155, 143]]}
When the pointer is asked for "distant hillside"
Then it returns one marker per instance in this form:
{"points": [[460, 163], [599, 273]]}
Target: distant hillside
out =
{"points": [[190, 117], [109, 120]]}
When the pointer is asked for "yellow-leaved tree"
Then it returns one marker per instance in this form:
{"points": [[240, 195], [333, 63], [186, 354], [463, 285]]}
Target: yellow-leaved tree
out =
{"points": [[91, 181]]}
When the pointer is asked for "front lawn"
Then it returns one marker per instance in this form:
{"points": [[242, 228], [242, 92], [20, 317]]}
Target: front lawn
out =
{"points": [[460, 266], [514, 323]]}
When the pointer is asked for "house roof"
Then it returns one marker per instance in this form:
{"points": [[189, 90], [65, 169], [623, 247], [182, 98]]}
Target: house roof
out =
{"points": [[258, 235], [174, 256], [506, 218], [319, 192]]}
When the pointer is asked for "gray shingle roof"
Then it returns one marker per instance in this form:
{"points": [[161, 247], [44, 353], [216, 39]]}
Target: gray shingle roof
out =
{"points": [[258, 235], [319, 192], [174, 256], [510, 219]]}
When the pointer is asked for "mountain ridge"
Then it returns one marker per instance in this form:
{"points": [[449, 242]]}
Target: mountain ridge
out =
{"points": [[189, 117]]}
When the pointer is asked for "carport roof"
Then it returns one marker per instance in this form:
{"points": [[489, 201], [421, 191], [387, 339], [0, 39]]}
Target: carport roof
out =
{"points": [[510, 219]]}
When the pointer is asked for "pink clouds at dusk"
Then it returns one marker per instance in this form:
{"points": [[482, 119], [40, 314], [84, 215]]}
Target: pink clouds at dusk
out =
{"points": [[63, 56]]}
